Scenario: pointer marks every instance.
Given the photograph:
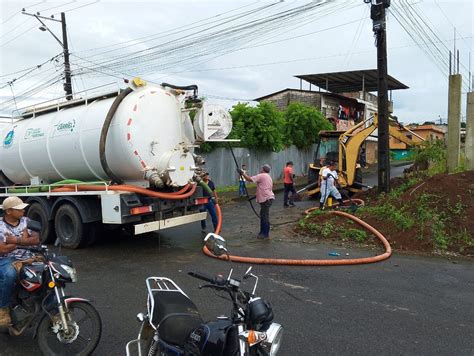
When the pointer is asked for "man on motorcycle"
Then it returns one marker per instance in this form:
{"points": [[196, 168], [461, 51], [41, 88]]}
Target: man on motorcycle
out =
{"points": [[13, 233]]}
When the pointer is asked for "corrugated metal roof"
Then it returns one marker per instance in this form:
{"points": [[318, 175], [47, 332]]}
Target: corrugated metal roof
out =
{"points": [[351, 81]]}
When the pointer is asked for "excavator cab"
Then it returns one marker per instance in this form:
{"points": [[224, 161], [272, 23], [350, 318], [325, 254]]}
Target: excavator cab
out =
{"points": [[327, 150]]}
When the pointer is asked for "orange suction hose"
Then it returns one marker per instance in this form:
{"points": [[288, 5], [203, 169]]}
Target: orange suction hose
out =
{"points": [[292, 262], [130, 188]]}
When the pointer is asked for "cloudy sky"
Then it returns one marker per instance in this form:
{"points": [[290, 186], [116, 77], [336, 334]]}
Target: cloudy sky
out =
{"points": [[234, 50]]}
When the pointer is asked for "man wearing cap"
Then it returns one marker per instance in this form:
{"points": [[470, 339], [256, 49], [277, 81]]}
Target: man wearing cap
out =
{"points": [[329, 178], [264, 197], [13, 234]]}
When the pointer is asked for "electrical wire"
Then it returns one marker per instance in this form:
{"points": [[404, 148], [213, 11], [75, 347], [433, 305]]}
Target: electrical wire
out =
{"points": [[418, 28], [236, 34], [21, 34], [78, 7]]}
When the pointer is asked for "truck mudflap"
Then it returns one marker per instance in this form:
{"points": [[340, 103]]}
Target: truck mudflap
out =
{"points": [[168, 223]]}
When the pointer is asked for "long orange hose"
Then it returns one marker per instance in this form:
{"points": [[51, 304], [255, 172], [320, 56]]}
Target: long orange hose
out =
{"points": [[293, 262], [129, 188]]}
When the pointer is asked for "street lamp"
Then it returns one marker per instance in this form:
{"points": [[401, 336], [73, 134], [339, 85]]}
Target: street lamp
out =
{"points": [[64, 45]]}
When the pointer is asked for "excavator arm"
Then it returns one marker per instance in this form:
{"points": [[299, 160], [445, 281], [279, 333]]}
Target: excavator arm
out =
{"points": [[351, 140], [349, 145], [397, 131]]}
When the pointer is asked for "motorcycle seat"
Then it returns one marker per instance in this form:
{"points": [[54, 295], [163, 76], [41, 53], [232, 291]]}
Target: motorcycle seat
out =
{"points": [[175, 315]]}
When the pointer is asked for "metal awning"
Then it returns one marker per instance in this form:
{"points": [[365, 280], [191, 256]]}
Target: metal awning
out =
{"points": [[351, 81]]}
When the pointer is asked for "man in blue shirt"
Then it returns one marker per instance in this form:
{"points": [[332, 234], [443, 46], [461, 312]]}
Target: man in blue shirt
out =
{"points": [[210, 206]]}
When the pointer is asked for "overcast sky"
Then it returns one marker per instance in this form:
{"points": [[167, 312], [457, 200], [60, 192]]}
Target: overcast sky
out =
{"points": [[339, 40]]}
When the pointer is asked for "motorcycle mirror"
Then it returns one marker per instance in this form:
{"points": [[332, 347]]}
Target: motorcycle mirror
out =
{"points": [[247, 274], [216, 244], [34, 225]]}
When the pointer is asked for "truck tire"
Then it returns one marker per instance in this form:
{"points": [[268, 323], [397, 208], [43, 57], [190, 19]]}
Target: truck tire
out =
{"points": [[70, 230], [37, 212]]}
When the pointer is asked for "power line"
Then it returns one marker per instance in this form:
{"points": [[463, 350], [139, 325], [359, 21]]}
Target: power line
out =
{"points": [[32, 69], [422, 34], [55, 7], [18, 12], [79, 7], [21, 34], [218, 40]]}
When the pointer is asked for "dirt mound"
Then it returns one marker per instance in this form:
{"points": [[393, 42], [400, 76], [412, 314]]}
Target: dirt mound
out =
{"points": [[426, 214]]}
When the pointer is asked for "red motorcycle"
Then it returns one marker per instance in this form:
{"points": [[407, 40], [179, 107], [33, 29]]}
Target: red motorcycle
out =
{"points": [[64, 325]]}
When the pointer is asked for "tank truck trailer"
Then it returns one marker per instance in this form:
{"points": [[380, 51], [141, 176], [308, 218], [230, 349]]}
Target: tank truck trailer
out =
{"points": [[121, 159]]}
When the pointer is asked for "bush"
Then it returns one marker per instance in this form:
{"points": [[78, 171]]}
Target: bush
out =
{"points": [[431, 154], [302, 125], [355, 234], [259, 127]]}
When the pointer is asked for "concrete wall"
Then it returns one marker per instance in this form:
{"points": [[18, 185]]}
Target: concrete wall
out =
{"points": [[287, 97], [221, 166], [469, 141]]}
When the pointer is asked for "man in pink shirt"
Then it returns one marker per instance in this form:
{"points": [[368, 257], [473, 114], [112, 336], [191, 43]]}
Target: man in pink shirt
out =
{"points": [[264, 197]]}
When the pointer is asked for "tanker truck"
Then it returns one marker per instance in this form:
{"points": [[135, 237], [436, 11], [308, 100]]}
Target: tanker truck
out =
{"points": [[123, 159]]}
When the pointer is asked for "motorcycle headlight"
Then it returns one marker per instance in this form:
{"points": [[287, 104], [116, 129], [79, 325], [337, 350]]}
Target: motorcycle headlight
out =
{"points": [[272, 344], [71, 271]]}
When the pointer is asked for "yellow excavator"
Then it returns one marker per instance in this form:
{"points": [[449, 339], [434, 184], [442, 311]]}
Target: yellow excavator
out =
{"points": [[343, 147]]}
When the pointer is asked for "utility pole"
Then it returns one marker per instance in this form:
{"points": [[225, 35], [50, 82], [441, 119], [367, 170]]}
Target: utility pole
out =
{"points": [[67, 67], [64, 44], [377, 14]]}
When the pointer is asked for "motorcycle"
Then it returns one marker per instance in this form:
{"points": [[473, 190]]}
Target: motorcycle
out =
{"points": [[173, 324], [64, 325]]}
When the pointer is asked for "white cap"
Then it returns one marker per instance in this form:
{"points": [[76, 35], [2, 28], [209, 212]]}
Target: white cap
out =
{"points": [[13, 203]]}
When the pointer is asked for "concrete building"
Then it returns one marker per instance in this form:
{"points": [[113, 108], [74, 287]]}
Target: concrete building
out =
{"points": [[344, 98], [427, 132]]}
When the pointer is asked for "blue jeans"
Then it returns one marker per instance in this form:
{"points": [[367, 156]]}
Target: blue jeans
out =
{"points": [[242, 188], [211, 208], [265, 218], [7, 281], [289, 188]]}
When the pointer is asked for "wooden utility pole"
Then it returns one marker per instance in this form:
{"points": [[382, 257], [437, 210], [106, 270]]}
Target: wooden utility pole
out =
{"points": [[64, 44], [377, 14]]}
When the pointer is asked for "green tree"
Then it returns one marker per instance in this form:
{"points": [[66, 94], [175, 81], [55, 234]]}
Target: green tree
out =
{"points": [[259, 127], [302, 125]]}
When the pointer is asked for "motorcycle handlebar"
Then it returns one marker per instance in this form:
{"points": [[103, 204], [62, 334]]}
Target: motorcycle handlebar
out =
{"points": [[203, 277]]}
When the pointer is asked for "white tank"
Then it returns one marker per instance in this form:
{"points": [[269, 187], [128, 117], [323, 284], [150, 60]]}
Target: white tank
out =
{"points": [[149, 133]]}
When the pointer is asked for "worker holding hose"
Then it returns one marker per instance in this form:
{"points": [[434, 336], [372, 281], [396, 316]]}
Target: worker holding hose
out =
{"points": [[210, 205], [264, 195], [328, 184]]}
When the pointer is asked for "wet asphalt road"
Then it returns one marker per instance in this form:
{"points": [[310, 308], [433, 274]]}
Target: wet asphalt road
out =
{"points": [[407, 305]]}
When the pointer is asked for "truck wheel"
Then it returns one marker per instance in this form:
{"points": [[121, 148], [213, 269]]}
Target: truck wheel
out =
{"points": [[38, 213], [71, 231]]}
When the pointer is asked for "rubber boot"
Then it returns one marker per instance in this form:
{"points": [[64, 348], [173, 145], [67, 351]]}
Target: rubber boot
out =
{"points": [[5, 319], [341, 202], [321, 205]]}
